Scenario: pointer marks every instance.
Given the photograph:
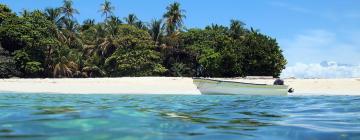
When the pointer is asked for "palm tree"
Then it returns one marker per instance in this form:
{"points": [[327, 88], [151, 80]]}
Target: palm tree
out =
{"points": [[65, 64], [174, 17], [236, 28], [107, 9], [112, 25], [107, 47], [254, 31], [103, 45], [68, 10], [87, 24], [101, 31], [65, 68], [217, 27], [53, 14], [141, 25], [25, 13], [115, 19], [178, 69], [71, 25], [93, 71], [156, 29], [90, 22], [70, 32], [131, 19]]}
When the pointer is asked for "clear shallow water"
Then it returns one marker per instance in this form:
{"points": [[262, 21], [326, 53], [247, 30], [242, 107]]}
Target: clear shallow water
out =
{"points": [[128, 117]]}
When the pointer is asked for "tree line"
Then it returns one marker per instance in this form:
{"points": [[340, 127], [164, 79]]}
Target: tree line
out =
{"points": [[51, 43]]}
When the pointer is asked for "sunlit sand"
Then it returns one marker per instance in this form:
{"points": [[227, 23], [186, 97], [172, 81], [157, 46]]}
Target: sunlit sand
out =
{"points": [[166, 85]]}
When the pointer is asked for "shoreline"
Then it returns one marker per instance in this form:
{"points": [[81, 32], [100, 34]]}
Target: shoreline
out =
{"points": [[166, 86]]}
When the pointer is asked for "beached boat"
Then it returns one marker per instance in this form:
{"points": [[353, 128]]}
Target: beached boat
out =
{"points": [[220, 87]]}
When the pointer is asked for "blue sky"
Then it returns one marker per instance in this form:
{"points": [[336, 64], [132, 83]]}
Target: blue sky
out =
{"points": [[308, 31]]}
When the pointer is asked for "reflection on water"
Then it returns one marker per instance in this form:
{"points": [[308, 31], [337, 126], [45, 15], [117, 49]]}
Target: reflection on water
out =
{"points": [[42, 116], [54, 110]]}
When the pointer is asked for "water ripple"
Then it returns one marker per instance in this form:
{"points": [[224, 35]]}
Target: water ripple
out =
{"points": [[35, 116]]}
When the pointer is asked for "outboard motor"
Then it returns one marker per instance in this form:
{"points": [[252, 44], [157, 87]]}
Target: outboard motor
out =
{"points": [[291, 90], [279, 82]]}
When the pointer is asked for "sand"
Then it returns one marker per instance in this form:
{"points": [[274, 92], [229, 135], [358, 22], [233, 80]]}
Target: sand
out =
{"points": [[126, 85], [166, 86], [350, 86]]}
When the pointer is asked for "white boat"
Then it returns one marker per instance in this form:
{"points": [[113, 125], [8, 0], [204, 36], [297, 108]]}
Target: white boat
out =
{"points": [[220, 87]]}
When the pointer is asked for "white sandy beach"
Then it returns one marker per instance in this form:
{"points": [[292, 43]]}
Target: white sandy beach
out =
{"points": [[350, 86], [166, 85]]}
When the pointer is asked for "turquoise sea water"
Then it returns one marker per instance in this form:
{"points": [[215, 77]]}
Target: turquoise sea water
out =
{"points": [[130, 117]]}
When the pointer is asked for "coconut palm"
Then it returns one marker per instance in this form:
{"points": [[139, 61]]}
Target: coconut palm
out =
{"points": [[65, 68], [156, 29], [141, 25], [68, 10], [65, 64], [87, 24], [174, 18], [254, 31], [107, 9], [112, 25], [25, 13], [70, 31], [236, 28], [53, 14], [107, 46], [217, 27], [93, 71], [101, 31], [178, 69], [103, 44], [115, 19], [71, 25], [131, 19]]}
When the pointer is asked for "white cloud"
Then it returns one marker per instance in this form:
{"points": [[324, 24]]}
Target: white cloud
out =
{"points": [[314, 46], [313, 38], [322, 70]]}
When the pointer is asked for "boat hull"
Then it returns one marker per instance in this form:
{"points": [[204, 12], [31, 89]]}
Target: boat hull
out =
{"points": [[216, 87]]}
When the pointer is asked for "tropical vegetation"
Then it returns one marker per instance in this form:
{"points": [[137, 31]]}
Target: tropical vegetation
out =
{"points": [[52, 43]]}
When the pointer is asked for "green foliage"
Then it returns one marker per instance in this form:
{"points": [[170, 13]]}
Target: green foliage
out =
{"points": [[174, 18], [51, 43], [135, 54], [8, 68], [53, 14], [207, 46], [262, 55], [236, 29], [179, 69], [33, 68], [66, 63], [93, 71], [5, 12], [7, 65], [106, 9], [68, 10], [31, 38], [32, 31], [156, 30], [26, 65], [131, 19], [234, 52]]}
